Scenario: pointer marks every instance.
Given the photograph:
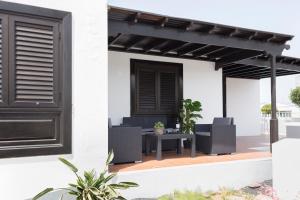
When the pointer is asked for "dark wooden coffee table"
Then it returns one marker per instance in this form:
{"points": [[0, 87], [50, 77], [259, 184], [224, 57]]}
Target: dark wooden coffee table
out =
{"points": [[169, 136]]}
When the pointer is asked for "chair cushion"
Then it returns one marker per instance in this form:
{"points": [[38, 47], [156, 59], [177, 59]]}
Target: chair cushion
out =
{"points": [[222, 121]]}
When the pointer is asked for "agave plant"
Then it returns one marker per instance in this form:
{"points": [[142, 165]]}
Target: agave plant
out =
{"points": [[92, 186]]}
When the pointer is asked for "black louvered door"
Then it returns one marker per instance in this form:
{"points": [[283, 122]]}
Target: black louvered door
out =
{"points": [[156, 87], [3, 60], [34, 62]]}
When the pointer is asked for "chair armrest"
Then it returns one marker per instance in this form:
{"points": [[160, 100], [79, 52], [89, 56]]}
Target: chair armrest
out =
{"points": [[203, 127]]}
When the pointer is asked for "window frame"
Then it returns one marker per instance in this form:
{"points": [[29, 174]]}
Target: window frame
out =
{"points": [[4, 60], [62, 143], [134, 81]]}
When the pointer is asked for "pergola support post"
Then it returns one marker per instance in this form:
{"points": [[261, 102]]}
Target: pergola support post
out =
{"points": [[274, 121], [224, 94]]}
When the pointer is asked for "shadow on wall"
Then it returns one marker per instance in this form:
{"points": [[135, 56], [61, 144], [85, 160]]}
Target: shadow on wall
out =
{"points": [[56, 196]]}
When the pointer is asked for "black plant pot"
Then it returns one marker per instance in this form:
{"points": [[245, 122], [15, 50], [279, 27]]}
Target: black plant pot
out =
{"points": [[187, 144]]}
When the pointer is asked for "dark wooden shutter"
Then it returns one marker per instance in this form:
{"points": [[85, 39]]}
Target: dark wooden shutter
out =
{"points": [[35, 59], [3, 60], [156, 87], [35, 81], [168, 94], [146, 96]]}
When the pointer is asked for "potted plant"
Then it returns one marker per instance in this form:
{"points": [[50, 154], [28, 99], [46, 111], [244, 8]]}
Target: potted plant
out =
{"points": [[159, 128], [91, 186], [189, 113]]}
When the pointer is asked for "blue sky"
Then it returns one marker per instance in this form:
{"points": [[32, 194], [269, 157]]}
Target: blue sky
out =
{"points": [[268, 15]]}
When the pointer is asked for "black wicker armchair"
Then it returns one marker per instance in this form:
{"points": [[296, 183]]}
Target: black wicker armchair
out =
{"points": [[216, 138], [126, 142]]}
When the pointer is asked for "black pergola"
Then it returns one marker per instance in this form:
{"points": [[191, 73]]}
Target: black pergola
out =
{"points": [[239, 52]]}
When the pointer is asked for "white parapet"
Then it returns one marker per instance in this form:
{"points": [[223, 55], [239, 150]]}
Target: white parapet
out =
{"points": [[286, 168], [204, 177], [293, 130]]}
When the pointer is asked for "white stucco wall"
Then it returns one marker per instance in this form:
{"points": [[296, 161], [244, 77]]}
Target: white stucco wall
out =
{"points": [[243, 103], [286, 164], [22, 178], [201, 177], [200, 82]]}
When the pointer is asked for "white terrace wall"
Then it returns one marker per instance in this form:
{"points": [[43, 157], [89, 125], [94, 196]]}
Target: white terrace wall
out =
{"points": [[243, 103], [200, 82], [21, 178]]}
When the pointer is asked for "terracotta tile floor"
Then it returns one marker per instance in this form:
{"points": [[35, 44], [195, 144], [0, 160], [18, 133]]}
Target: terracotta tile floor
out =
{"points": [[248, 147]]}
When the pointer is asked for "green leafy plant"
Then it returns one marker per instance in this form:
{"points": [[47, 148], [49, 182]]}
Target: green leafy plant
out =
{"points": [[159, 125], [92, 186], [266, 109], [190, 112], [223, 193], [295, 96]]}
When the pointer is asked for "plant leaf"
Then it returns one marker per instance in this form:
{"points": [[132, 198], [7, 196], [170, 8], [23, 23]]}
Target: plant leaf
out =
{"points": [[42, 193], [130, 184], [109, 177], [110, 157], [70, 165]]}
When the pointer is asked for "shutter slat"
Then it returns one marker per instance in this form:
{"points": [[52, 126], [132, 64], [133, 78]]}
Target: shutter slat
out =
{"points": [[21, 77], [34, 49], [33, 30], [34, 59], [24, 72], [34, 35], [37, 64], [37, 83], [34, 97], [31, 44], [39, 69], [32, 87], [34, 54], [28, 39], [34, 92]]}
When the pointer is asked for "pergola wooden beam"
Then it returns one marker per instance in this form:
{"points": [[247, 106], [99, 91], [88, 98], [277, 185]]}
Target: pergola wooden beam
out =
{"points": [[259, 62], [115, 27], [134, 42], [236, 57], [184, 52]]}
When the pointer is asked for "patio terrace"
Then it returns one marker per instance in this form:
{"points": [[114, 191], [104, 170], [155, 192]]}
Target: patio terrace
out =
{"points": [[248, 147]]}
